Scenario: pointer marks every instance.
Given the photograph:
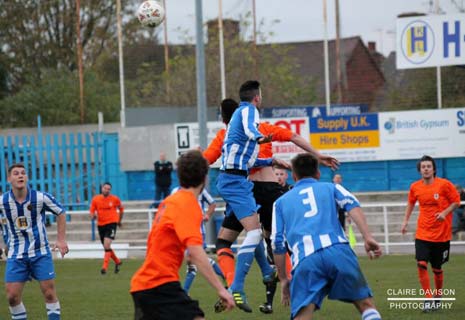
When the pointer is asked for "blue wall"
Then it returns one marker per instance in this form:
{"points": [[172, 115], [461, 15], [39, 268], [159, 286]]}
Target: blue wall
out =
{"points": [[357, 176]]}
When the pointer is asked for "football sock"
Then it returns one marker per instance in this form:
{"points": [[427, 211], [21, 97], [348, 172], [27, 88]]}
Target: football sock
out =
{"points": [[114, 257], [424, 277], [245, 257], [18, 312], [262, 261], [190, 276], [216, 268], [270, 291], [438, 278], [371, 314], [269, 251], [266, 270], [226, 260], [106, 258], [53, 310]]}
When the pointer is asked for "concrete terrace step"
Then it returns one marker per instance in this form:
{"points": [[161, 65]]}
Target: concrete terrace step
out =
{"points": [[136, 220], [76, 235]]}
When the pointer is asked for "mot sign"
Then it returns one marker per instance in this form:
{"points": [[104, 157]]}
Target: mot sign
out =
{"points": [[430, 41]]}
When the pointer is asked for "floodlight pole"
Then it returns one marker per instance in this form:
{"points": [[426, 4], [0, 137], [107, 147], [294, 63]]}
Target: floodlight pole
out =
{"points": [[79, 60], [200, 72], [220, 37], [438, 70], [326, 62], [121, 64]]}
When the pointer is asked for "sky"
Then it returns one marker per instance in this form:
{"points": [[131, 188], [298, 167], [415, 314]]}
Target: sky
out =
{"points": [[302, 20]]}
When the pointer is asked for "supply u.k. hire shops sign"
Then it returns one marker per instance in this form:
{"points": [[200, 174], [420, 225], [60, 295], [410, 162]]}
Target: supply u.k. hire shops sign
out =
{"points": [[187, 135]]}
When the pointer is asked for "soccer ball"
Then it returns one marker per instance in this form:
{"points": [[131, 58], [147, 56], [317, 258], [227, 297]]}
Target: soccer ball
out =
{"points": [[151, 14]]}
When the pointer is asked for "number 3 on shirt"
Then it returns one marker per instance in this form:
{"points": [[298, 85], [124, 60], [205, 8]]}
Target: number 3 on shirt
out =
{"points": [[309, 200]]}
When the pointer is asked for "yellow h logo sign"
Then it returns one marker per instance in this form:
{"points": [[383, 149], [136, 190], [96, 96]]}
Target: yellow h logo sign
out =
{"points": [[416, 41]]}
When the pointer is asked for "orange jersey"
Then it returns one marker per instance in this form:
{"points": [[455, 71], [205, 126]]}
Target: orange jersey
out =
{"points": [[433, 198], [278, 133], [176, 226], [106, 208], [213, 151]]}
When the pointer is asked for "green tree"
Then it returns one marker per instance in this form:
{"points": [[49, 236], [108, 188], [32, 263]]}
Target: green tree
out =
{"points": [[56, 99], [276, 71], [41, 35], [3, 76], [415, 89]]}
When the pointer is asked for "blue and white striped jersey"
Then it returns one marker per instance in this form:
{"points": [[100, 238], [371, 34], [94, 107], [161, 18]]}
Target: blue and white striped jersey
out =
{"points": [[240, 147], [3, 227], [205, 198], [27, 236], [306, 217]]}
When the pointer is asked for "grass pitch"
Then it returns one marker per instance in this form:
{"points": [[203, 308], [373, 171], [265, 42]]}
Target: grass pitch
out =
{"points": [[85, 294]]}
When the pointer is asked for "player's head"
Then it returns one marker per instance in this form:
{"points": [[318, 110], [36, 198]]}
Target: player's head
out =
{"points": [[281, 174], [192, 169], [228, 106], [162, 156], [304, 165], [17, 176], [106, 188], [250, 92], [337, 179], [427, 167]]}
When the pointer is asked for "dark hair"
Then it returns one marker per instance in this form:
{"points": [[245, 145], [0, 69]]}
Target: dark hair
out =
{"points": [[107, 183], [304, 165], [426, 158], [228, 106], [192, 169], [15, 165], [249, 90]]}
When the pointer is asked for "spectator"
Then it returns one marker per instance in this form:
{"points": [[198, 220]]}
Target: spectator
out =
{"points": [[163, 169], [458, 219], [282, 176]]}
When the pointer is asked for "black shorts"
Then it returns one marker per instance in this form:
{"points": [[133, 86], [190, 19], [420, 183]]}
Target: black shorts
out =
{"points": [[265, 194], [107, 231], [437, 253], [166, 302], [231, 222]]}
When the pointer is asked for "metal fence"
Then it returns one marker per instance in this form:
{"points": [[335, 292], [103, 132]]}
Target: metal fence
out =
{"points": [[68, 166], [380, 216]]}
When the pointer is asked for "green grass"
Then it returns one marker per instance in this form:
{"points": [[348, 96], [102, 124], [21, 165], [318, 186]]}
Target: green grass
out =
{"points": [[85, 294]]}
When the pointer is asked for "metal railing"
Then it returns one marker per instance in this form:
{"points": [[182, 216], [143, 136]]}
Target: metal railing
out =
{"points": [[383, 211]]}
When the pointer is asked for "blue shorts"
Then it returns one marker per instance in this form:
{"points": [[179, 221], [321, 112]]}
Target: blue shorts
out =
{"points": [[237, 192], [332, 272], [21, 270]]}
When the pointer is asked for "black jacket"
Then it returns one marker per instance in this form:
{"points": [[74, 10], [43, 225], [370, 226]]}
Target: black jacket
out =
{"points": [[163, 173]]}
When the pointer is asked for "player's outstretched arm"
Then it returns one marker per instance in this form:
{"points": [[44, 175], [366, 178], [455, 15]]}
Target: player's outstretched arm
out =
{"points": [[328, 161], [61, 244], [408, 213], [281, 163], [200, 259], [265, 139], [371, 246]]}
